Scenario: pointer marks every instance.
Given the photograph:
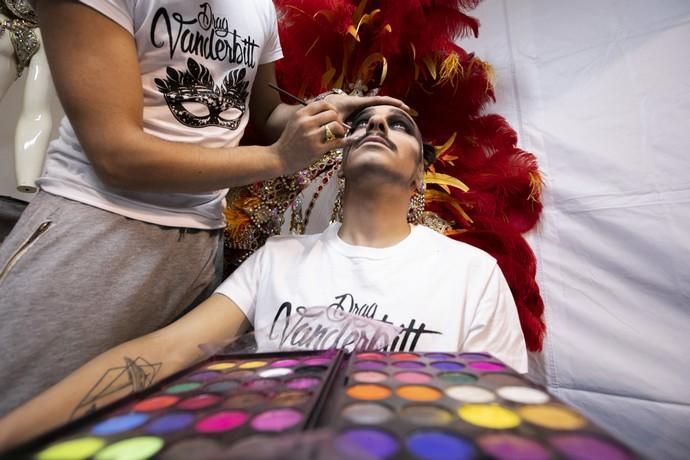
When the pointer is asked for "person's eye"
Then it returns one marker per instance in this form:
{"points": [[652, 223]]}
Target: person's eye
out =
{"points": [[361, 123], [400, 126]]}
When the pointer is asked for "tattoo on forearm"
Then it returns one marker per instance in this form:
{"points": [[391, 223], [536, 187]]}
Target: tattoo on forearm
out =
{"points": [[136, 375]]}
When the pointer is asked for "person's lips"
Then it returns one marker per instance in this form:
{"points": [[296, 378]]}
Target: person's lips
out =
{"points": [[377, 139]]}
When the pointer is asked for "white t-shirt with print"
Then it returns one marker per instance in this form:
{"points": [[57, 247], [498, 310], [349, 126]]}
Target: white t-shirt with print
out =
{"points": [[446, 295], [198, 60]]}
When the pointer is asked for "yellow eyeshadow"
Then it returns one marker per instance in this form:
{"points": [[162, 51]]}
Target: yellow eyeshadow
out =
{"points": [[489, 416], [221, 366], [252, 364], [76, 449], [553, 417]]}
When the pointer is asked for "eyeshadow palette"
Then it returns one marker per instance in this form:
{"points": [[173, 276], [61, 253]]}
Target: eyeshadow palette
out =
{"points": [[203, 410], [373, 405], [458, 406]]}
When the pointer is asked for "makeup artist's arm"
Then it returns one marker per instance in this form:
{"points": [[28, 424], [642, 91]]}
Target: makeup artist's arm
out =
{"points": [[170, 349], [105, 108]]}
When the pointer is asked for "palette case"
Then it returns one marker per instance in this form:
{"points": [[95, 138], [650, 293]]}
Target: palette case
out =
{"points": [[374, 405]]}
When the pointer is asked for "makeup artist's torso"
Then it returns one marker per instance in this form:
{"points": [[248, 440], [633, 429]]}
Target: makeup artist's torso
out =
{"points": [[445, 295], [198, 60]]}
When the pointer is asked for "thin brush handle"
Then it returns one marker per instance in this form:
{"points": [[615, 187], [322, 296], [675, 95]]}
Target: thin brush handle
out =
{"points": [[289, 94]]}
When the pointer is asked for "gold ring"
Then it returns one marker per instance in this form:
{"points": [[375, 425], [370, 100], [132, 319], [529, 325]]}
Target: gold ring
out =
{"points": [[329, 134]]}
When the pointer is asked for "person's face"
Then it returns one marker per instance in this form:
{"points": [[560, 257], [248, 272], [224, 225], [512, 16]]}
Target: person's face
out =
{"points": [[385, 140]]}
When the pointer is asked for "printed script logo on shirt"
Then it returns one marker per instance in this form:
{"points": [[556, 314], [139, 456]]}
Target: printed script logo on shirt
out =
{"points": [[209, 37], [296, 327]]}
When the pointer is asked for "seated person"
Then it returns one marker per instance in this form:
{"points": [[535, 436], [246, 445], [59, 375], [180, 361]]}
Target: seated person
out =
{"points": [[446, 295]]}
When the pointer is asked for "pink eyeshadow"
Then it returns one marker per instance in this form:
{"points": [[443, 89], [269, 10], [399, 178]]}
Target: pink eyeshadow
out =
{"points": [[221, 421]]}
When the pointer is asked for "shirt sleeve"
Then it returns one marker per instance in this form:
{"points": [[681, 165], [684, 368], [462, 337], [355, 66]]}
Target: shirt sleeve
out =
{"points": [[272, 50], [496, 328], [242, 286], [119, 11]]}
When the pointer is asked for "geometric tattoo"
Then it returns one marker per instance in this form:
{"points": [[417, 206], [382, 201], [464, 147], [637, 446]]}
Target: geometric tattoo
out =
{"points": [[136, 375]]}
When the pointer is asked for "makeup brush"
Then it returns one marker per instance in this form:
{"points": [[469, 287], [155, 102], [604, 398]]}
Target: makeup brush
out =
{"points": [[296, 98]]}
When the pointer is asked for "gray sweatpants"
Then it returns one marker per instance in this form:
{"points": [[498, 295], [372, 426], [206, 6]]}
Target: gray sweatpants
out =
{"points": [[76, 281]]}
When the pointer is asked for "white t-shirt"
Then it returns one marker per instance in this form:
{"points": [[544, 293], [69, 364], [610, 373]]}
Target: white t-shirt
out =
{"points": [[446, 295], [198, 60]]}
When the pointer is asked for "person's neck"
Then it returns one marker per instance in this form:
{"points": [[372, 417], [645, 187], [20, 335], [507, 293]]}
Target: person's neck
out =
{"points": [[374, 218]]}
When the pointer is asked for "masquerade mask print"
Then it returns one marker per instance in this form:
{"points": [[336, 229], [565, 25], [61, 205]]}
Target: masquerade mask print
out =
{"points": [[196, 85]]}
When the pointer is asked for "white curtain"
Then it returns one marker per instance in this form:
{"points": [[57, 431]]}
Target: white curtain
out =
{"points": [[599, 90]]}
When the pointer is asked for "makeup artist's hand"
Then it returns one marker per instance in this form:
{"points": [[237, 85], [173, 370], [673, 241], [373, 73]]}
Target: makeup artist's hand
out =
{"points": [[346, 105], [306, 136]]}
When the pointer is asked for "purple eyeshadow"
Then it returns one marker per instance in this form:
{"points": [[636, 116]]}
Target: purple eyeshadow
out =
{"points": [[439, 355], [367, 443], [262, 384], [448, 365], [369, 364], [204, 376], [317, 361], [169, 423], [408, 364], [439, 445], [579, 447], [505, 446], [303, 383], [474, 356]]}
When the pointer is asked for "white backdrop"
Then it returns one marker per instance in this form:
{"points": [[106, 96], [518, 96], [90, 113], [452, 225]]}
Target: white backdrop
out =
{"points": [[599, 90]]}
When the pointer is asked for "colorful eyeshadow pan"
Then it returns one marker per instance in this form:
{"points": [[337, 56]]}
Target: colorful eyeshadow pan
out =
{"points": [[221, 421], [170, 423], [223, 386], [439, 356], [262, 384], [487, 366], [426, 415], [439, 445], [303, 383], [285, 363], [470, 394], [155, 403], [368, 392], [448, 365], [367, 413], [523, 395], [370, 364], [369, 376], [474, 356], [457, 377], [221, 366], [119, 424], [403, 356], [501, 379], [242, 400], [413, 377], [552, 417], [370, 355], [418, 393], [204, 376], [317, 361], [275, 372], [277, 420], [580, 447], [138, 448], [489, 416], [77, 449], [183, 387], [291, 398], [367, 443], [504, 446], [199, 402], [253, 364], [409, 365]]}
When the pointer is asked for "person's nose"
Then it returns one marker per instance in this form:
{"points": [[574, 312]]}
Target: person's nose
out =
{"points": [[378, 123]]}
